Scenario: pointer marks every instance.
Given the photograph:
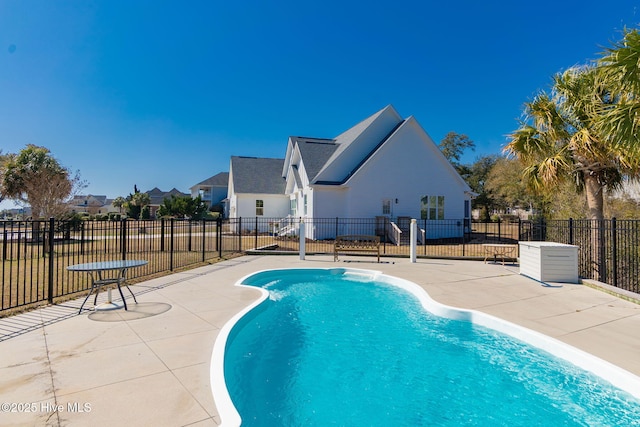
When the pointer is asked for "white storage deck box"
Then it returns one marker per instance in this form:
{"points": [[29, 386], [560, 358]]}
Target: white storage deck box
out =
{"points": [[549, 261]]}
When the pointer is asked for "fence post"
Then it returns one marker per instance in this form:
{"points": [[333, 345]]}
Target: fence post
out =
{"points": [[499, 234], [425, 238], [464, 233], [162, 233], [81, 237], [614, 250], [602, 267], [204, 234], [190, 233], [542, 236], [239, 234], [413, 235], [255, 245], [171, 225], [51, 260], [123, 234], [519, 236], [386, 233], [571, 231], [219, 236], [303, 238]]}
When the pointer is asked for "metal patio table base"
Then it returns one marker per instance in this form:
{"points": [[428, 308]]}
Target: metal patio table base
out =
{"points": [[98, 268]]}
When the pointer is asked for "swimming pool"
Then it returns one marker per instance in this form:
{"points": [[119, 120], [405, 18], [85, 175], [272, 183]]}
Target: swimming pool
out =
{"points": [[355, 347]]}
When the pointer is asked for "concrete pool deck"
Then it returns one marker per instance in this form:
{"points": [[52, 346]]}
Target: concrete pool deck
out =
{"points": [[150, 366]]}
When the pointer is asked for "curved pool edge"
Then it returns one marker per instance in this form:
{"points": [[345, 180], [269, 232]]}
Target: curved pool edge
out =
{"points": [[229, 416], [617, 376]]}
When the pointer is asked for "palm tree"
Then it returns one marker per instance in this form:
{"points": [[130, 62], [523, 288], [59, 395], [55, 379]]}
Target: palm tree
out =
{"points": [[562, 138], [119, 202], [621, 66]]}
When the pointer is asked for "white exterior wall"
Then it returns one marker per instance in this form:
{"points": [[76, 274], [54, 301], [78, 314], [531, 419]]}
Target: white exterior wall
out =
{"points": [[275, 206], [326, 202], [406, 168]]}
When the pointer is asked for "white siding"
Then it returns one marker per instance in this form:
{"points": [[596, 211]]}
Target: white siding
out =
{"points": [[325, 202], [404, 169], [275, 206]]}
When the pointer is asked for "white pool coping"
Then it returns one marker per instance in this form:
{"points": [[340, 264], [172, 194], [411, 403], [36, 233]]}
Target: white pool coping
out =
{"points": [[617, 376]]}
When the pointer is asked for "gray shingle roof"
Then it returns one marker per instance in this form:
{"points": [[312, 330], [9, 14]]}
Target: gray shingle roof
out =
{"points": [[319, 154], [257, 175], [347, 137], [219, 180], [315, 152], [157, 196]]}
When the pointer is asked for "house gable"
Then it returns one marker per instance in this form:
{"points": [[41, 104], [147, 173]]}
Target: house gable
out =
{"points": [[356, 144], [411, 132], [407, 167], [306, 156], [254, 179]]}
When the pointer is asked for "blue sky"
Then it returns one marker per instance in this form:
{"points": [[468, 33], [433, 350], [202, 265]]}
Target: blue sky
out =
{"points": [[162, 93]]}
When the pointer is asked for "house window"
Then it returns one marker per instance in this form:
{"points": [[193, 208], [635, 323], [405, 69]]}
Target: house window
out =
{"points": [[386, 207], [294, 207], [259, 207], [305, 205], [432, 207]]}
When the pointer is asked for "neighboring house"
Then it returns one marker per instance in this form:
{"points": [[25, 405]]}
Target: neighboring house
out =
{"points": [[90, 204], [256, 188], [383, 167], [157, 197], [212, 191]]}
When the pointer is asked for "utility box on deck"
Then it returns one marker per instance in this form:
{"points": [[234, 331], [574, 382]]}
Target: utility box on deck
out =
{"points": [[549, 261]]}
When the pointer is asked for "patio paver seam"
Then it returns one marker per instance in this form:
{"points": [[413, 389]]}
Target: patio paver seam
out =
{"points": [[193, 396], [51, 375], [599, 324], [476, 279]]}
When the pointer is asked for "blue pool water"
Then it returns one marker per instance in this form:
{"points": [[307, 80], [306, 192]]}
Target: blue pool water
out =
{"points": [[328, 348]]}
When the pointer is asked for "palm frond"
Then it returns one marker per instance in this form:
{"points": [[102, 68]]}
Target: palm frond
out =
{"points": [[621, 62]]}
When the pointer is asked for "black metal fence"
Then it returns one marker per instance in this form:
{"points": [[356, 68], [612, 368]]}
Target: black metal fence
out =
{"points": [[442, 238], [608, 250], [35, 254]]}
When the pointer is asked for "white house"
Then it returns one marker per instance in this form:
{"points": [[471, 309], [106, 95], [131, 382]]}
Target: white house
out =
{"points": [[91, 204], [385, 166], [256, 188]]}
